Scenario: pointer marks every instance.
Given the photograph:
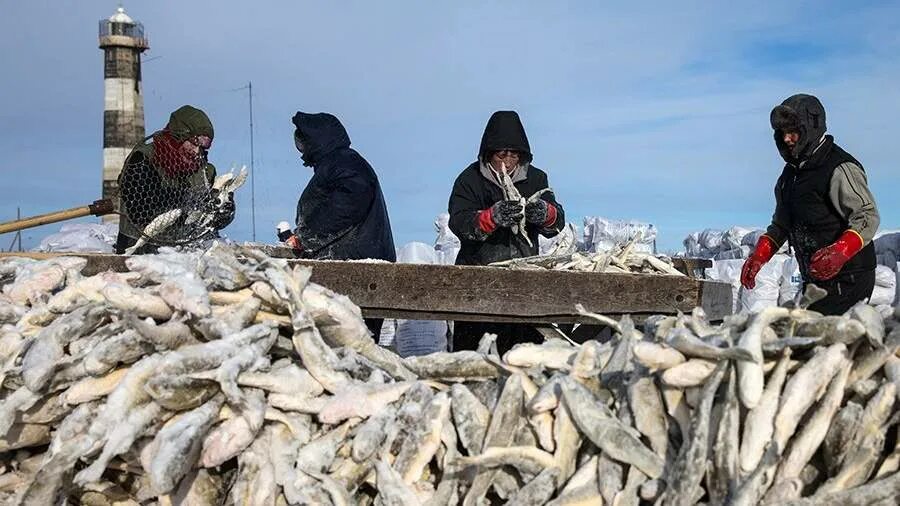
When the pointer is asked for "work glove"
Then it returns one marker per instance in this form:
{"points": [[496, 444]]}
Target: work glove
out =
{"points": [[506, 213], [540, 213], [294, 243], [288, 237], [224, 211], [765, 250], [828, 261]]}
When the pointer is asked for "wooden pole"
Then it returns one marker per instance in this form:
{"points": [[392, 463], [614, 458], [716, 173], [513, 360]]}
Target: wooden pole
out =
{"points": [[98, 208]]}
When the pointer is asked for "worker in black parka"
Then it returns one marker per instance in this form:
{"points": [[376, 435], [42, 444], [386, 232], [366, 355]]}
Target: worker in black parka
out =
{"points": [[487, 223], [341, 214], [823, 209]]}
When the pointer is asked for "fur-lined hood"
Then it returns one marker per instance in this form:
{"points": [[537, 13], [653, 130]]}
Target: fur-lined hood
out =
{"points": [[800, 113]]}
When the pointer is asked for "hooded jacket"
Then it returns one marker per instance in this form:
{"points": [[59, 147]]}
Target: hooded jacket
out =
{"points": [[341, 213], [475, 190], [822, 190]]}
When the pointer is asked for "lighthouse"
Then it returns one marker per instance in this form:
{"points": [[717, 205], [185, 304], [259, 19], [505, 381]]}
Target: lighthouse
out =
{"points": [[122, 40]]}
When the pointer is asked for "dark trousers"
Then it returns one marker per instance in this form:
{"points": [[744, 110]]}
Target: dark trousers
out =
{"points": [[467, 334], [844, 291], [374, 325]]}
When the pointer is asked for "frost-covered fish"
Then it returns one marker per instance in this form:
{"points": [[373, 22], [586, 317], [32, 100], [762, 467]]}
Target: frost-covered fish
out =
{"points": [[689, 467], [759, 423], [456, 366], [177, 445], [608, 433], [155, 228], [750, 373]]}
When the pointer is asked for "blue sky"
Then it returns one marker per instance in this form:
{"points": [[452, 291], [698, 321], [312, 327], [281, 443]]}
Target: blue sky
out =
{"points": [[656, 111]]}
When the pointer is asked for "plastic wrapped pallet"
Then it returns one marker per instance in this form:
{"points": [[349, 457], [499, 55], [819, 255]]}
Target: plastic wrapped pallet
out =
{"points": [[601, 234], [765, 293], [887, 250], [885, 286], [722, 245], [416, 253], [446, 245], [752, 238], [734, 236], [82, 238], [733, 254], [692, 245], [563, 243], [711, 241]]}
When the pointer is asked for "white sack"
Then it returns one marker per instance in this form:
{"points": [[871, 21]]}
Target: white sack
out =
{"points": [[601, 234], [791, 282], [765, 293]]}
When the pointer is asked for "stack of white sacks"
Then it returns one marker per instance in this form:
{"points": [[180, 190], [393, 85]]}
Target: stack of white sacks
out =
{"points": [[887, 252], [779, 280]]}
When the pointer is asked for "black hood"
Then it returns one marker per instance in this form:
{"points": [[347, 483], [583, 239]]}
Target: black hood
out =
{"points": [[504, 131], [805, 115], [321, 134]]}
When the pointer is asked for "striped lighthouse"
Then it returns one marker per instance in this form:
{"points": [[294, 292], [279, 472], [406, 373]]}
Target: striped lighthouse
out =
{"points": [[122, 41]]}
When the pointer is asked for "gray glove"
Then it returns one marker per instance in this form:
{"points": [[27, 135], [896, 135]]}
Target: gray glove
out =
{"points": [[507, 213], [536, 212]]}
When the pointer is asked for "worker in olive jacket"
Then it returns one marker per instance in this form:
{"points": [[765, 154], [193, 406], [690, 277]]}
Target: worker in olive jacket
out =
{"points": [[823, 209]]}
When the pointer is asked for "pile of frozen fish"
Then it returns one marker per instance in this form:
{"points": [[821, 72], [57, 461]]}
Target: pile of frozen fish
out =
{"points": [[226, 377], [619, 260]]}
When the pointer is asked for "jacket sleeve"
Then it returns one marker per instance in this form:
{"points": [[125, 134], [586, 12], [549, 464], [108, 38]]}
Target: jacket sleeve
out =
{"points": [[346, 205], [210, 171], [849, 194], [778, 229], [463, 208]]}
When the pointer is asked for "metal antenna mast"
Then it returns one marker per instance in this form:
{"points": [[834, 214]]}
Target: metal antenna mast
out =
{"points": [[249, 89], [252, 171]]}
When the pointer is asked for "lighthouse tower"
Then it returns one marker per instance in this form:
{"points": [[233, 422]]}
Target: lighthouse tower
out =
{"points": [[122, 41]]}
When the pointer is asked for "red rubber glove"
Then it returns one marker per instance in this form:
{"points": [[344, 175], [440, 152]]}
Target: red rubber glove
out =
{"points": [[828, 261], [294, 242], [765, 250], [485, 221]]}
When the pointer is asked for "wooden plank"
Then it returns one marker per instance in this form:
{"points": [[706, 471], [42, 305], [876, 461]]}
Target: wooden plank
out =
{"points": [[693, 267], [442, 292], [501, 292]]}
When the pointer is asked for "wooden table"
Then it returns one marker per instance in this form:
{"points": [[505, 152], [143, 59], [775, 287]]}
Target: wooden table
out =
{"points": [[446, 292]]}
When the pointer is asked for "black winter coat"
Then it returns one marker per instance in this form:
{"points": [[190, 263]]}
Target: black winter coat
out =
{"points": [[473, 192], [341, 214]]}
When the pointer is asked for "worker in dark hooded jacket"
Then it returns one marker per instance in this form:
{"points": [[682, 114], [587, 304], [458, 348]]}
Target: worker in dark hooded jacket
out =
{"points": [[169, 170], [341, 214], [487, 223], [823, 209]]}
